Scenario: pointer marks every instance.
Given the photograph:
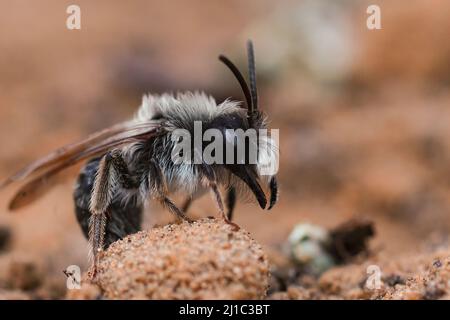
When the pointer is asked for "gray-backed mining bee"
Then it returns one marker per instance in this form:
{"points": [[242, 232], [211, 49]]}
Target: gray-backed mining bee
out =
{"points": [[132, 161]]}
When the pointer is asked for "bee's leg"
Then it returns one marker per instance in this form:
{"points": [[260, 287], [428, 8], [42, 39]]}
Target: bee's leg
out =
{"points": [[273, 185], [169, 204], [112, 170], [123, 217], [96, 237], [187, 204], [212, 181], [218, 198], [158, 188], [190, 199], [230, 202]]}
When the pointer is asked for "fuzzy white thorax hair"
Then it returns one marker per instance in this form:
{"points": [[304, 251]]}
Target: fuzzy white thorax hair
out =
{"points": [[183, 105]]}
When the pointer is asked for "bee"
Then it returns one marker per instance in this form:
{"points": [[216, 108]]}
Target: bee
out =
{"points": [[131, 162]]}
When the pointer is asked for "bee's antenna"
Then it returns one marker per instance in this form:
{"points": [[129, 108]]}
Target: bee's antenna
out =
{"points": [[242, 82], [252, 74]]}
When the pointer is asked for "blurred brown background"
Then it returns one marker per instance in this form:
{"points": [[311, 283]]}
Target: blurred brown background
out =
{"points": [[364, 116]]}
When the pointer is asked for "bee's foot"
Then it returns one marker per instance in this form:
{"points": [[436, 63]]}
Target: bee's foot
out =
{"points": [[92, 273], [233, 225], [184, 219]]}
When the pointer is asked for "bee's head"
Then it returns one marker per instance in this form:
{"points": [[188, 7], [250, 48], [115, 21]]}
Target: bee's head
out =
{"points": [[225, 137], [253, 119]]}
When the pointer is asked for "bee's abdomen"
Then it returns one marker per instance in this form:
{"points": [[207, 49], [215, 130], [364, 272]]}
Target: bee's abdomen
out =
{"points": [[122, 218]]}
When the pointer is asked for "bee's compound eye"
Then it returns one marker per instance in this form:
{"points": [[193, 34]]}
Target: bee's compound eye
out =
{"points": [[305, 238], [157, 116]]}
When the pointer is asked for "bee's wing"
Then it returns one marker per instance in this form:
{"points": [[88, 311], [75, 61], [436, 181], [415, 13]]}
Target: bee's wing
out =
{"points": [[38, 174]]}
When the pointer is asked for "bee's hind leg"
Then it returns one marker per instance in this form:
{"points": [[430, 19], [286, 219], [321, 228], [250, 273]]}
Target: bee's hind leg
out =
{"points": [[103, 218], [122, 218]]}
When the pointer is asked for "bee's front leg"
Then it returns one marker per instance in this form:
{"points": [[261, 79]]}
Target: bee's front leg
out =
{"points": [[273, 185], [212, 181], [230, 202]]}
